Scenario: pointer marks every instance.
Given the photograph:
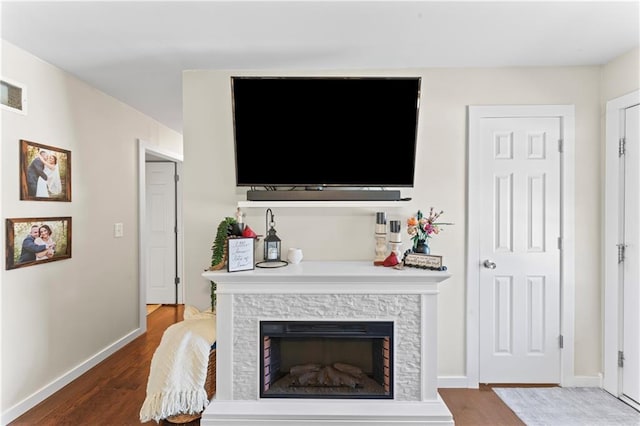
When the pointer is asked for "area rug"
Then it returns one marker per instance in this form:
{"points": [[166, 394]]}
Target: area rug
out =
{"points": [[568, 406]]}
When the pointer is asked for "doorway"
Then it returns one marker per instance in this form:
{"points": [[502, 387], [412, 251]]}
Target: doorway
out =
{"points": [[621, 252], [520, 247], [148, 158], [161, 232]]}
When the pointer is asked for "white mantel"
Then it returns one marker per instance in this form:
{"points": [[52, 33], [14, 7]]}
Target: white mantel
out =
{"points": [[339, 290]]}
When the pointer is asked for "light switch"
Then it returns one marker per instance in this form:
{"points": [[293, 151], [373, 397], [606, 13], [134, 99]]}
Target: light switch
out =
{"points": [[118, 230]]}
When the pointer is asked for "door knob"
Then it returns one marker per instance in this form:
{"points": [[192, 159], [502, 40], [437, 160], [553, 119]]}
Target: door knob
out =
{"points": [[489, 264]]}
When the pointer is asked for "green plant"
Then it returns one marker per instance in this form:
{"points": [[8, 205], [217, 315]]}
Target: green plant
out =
{"points": [[219, 254], [224, 230]]}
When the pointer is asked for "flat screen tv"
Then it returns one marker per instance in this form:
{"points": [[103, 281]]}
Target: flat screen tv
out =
{"points": [[316, 132]]}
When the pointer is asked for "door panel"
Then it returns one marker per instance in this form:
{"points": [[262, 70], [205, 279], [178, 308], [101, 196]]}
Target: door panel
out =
{"points": [[161, 222], [520, 298], [631, 265]]}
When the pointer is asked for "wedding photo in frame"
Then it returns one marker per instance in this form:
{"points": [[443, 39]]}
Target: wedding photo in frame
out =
{"points": [[45, 172], [34, 241]]}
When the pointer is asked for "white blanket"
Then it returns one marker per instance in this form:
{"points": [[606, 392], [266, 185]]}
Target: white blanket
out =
{"points": [[179, 369]]}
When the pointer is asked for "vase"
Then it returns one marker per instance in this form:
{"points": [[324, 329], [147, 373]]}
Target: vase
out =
{"points": [[294, 256], [421, 246]]}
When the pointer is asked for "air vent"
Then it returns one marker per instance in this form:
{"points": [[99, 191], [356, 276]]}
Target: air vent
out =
{"points": [[13, 96]]}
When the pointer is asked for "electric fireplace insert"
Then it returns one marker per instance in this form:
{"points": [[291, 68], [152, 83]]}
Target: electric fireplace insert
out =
{"points": [[326, 359]]}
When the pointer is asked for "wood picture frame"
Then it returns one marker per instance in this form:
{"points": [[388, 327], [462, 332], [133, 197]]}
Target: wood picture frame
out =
{"points": [[28, 244], [45, 172], [241, 254]]}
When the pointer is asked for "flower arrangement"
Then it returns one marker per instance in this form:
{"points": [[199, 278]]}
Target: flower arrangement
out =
{"points": [[421, 228]]}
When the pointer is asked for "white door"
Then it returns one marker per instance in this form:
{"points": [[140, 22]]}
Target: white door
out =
{"points": [[519, 292], [630, 266], [161, 225]]}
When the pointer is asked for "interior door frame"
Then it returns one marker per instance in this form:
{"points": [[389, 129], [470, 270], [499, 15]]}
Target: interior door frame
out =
{"points": [[612, 338], [145, 148], [566, 114]]}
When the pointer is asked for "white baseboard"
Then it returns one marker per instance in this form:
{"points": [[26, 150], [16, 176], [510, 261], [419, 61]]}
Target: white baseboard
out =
{"points": [[463, 382], [587, 381], [453, 382], [46, 391]]}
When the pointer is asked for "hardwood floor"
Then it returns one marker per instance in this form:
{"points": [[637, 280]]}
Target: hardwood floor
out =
{"points": [[475, 407], [113, 392], [152, 307]]}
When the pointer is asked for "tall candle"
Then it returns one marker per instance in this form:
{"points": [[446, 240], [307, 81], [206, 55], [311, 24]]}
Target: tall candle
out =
{"points": [[381, 223]]}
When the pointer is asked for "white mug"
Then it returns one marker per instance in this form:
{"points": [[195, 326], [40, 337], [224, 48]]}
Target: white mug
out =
{"points": [[295, 255]]}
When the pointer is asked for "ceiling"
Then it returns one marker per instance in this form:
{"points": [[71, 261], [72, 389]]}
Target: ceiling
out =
{"points": [[136, 51]]}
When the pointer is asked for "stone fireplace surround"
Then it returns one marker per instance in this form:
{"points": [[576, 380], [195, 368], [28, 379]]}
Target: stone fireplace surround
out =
{"points": [[327, 291]]}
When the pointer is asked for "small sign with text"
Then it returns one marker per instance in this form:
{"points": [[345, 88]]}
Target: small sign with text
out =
{"points": [[424, 261], [241, 254]]}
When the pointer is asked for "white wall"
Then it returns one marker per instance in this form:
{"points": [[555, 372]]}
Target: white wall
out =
{"points": [[342, 233], [60, 315]]}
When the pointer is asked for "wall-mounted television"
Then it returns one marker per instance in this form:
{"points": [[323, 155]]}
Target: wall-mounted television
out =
{"points": [[317, 132]]}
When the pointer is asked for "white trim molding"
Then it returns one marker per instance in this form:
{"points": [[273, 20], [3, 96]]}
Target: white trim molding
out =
{"points": [[566, 114], [588, 381], [611, 213], [453, 382]]}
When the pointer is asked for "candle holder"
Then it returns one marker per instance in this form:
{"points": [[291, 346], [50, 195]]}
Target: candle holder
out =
{"points": [[381, 238], [395, 239]]}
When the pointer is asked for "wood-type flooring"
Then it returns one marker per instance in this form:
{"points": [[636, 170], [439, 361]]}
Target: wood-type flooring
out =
{"points": [[113, 392]]}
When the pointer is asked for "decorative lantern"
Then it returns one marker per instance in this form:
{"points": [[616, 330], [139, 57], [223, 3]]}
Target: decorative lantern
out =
{"points": [[272, 249]]}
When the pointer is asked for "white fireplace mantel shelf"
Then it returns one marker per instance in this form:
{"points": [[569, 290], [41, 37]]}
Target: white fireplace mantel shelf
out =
{"points": [[327, 290], [336, 277]]}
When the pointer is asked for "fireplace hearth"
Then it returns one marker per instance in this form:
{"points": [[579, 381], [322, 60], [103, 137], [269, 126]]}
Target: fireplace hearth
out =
{"points": [[326, 359]]}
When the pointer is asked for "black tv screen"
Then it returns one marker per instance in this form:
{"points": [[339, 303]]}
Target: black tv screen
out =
{"points": [[325, 131]]}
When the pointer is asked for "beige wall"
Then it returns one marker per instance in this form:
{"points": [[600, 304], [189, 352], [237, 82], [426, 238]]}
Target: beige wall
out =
{"points": [[620, 76], [342, 233], [58, 315]]}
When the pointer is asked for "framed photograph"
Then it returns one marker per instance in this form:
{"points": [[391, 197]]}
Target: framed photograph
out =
{"points": [[241, 254], [45, 172], [424, 261], [33, 241]]}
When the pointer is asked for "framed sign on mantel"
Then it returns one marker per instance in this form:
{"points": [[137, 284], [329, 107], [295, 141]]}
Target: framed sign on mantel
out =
{"points": [[241, 254]]}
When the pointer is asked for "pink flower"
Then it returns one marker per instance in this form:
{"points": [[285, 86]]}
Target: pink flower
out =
{"points": [[421, 227], [428, 228]]}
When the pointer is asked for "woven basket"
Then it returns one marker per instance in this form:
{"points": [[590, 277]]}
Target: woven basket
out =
{"points": [[209, 386]]}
